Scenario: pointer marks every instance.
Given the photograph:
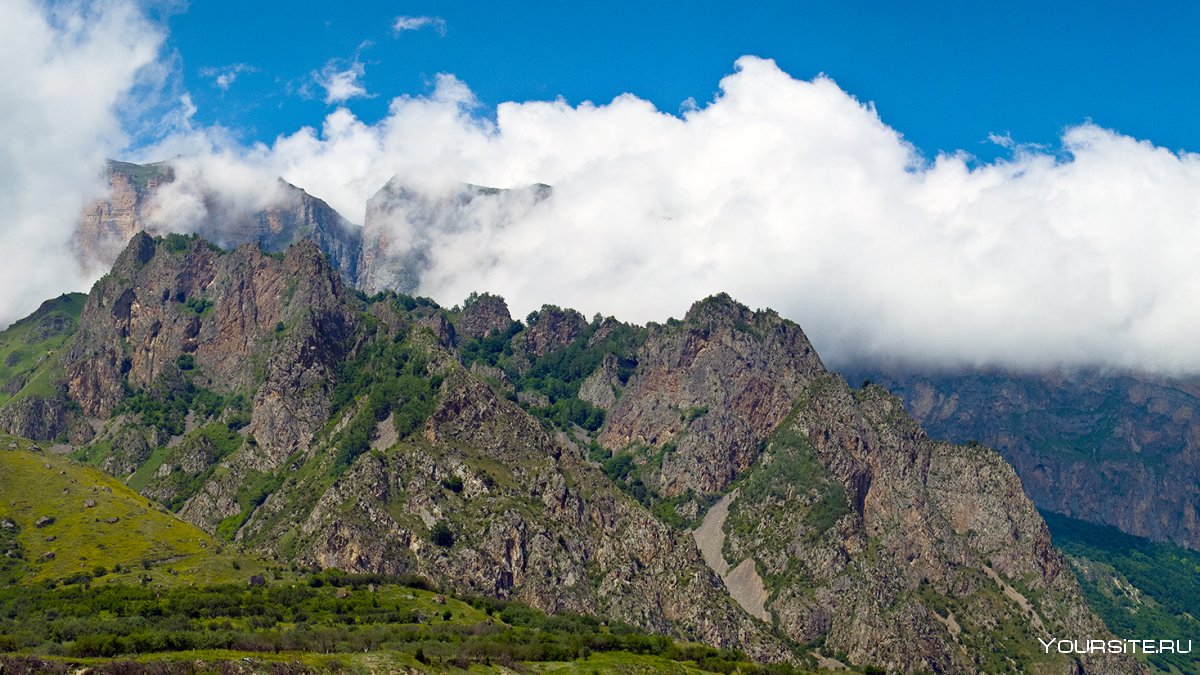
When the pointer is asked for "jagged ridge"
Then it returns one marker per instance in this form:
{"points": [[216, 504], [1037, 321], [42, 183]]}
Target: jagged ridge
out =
{"points": [[560, 462]]}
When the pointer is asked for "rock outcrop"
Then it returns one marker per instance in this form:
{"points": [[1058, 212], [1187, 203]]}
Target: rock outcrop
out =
{"points": [[711, 388], [482, 314]]}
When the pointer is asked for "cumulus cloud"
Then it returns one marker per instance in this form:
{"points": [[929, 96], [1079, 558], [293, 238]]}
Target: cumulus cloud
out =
{"points": [[403, 23], [66, 70], [225, 76], [793, 194], [341, 81]]}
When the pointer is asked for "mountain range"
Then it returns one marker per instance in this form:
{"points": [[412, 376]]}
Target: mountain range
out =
{"points": [[1116, 449], [706, 478], [270, 381]]}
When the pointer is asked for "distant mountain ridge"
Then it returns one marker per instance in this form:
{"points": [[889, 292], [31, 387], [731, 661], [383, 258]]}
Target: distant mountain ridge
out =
{"points": [[108, 224], [390, 251], [1109, 448]]}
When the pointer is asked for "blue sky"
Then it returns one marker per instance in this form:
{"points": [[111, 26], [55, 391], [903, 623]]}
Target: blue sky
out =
{"points": [[945, 74]]}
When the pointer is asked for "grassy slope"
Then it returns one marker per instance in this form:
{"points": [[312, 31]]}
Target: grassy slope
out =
{"points": [[29, 348], [37, 485]]}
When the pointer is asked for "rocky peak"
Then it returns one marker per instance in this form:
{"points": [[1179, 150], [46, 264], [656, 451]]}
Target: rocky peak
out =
{"points": [[719, 310], [551, 328], [711, 388], [167, 298], [481, 314]]}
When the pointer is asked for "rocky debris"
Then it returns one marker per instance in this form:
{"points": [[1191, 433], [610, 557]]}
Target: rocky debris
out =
{"points": [[743, 582], [89, 504], [257, 581], [44, 521], [47, 556], [112, 520], [7, 524]]}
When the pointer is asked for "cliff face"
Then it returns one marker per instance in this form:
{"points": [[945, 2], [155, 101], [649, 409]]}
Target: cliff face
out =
{"points": [[527, 519], [1120, 450], [291, 215], [564, 463], [107, 225], [176, 316], [403, 225]]}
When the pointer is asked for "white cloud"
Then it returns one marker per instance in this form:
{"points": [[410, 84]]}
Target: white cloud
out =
{"points": [[794, 195], [403, 23], [341, 81], [225, 76], [65, 71]]}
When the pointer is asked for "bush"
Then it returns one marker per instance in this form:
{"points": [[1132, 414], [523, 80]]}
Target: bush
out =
{"points": [[441, 535]]}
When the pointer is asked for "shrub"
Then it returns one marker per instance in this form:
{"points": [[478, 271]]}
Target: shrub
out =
{"points": [[441, 535]]}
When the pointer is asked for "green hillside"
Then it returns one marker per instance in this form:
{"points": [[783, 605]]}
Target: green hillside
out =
{"points": [[29, 348], [1141, 588], [95, 575], [61, 522], [328, 622]]}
